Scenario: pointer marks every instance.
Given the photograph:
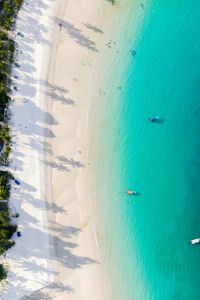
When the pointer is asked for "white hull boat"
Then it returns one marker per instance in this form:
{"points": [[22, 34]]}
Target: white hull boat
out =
{"points": [[195, 241]]}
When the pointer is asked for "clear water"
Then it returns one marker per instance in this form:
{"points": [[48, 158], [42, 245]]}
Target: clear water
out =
{"points": [[144, 239]]}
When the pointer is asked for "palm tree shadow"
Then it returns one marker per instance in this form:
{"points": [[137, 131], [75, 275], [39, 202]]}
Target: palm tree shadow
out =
{"points": [[94, 28], [71, 161], [76, 34]]}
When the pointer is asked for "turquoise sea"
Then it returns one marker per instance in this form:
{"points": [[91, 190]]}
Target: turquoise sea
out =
{"points": [[144, 239]]}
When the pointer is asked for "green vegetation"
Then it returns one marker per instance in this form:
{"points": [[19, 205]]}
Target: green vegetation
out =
{"points": [[5, 178], [6, 227], [9, 10], [6, 232], [5, 137], [3, 272], [8, 13]]}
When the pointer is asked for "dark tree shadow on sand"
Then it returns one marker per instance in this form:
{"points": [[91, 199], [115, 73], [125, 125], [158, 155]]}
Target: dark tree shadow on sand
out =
{"points": [[71, 162], [92, 27], [76, 34]]}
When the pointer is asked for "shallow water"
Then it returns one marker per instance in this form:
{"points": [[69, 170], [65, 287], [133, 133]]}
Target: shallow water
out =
{"points": [[144, 239]]}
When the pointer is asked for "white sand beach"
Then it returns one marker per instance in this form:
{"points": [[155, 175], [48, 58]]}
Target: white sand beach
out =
{"points": [[57, 255]]}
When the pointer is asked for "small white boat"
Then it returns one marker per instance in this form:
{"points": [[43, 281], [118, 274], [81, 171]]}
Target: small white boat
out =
{"points": [[195, 241], [131, 193]]}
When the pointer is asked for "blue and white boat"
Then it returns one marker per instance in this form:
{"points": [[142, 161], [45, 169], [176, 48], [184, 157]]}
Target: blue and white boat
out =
{"points": [[154, 119]]}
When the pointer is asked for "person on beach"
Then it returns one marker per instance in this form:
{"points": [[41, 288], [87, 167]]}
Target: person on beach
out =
{"points": [[60, 25]]}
